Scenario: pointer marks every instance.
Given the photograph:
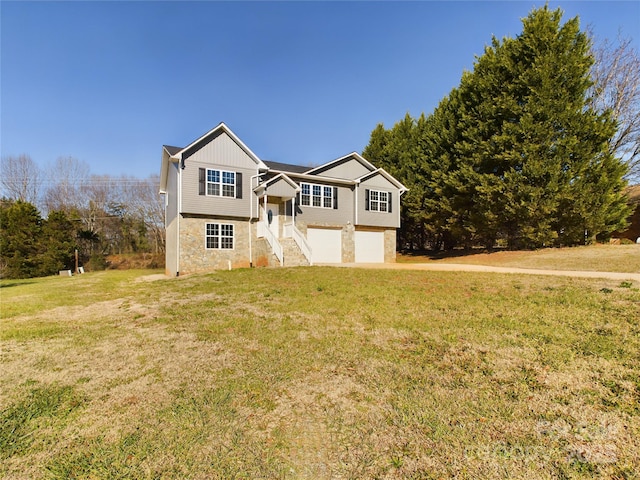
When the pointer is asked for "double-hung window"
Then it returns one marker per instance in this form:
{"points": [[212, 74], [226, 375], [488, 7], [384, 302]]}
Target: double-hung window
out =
{"points": [[221, 183], [219, 236], [377, 201], [313, 195]]}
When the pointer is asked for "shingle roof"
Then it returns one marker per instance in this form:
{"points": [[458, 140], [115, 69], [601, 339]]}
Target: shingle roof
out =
{"points": [[285, 167], [172, 150]]}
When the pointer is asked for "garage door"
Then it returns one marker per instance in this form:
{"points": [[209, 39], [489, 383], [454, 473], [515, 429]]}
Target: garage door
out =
{"points": [[369, 247], [326, 245]]}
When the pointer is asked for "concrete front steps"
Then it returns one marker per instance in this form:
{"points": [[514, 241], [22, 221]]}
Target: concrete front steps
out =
{"points": [[293, 256]]}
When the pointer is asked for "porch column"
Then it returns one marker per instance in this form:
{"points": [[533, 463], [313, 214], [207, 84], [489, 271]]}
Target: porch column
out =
{"points": [[265, 208]]}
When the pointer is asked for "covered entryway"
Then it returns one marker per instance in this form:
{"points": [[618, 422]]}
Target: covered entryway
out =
{"points": [[369, 246], [326, 245], [271, 214]]}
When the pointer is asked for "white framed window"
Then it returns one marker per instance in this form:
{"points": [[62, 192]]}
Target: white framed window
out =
{"points": [[219, 236], [378, 201], [221, 183], [321, 196]]}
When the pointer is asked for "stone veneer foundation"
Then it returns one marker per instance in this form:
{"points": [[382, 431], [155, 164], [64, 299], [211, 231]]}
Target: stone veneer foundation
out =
{"points": [[195, 257]]}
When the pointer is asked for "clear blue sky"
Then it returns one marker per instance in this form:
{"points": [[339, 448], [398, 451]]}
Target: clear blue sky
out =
{"points": [[299, 82]]}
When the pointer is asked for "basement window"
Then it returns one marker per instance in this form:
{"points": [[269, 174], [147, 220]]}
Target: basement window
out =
{"points": [[219, 236]]}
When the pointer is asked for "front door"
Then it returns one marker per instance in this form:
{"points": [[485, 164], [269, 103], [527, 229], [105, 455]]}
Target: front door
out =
{"points": [[273, 216]]}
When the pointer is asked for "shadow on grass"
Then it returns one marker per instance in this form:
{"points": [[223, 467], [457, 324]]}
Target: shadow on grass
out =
{"points": [[15, 283], [446, 254]]}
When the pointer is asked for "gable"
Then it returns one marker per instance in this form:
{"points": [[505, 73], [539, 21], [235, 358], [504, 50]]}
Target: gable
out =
{"points": [[279, 186], [349, 167], [219, 149], [377, 180]]}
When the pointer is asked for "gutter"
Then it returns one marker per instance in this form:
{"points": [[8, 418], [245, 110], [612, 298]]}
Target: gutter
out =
{"points": [[178, 215], [257, 176], [317, 178]]}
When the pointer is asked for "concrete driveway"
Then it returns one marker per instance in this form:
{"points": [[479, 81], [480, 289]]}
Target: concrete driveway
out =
{"points": [[461, 267]]}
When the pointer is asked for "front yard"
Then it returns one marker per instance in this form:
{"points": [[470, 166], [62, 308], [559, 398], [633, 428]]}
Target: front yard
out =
{"points": [[319, 373]]}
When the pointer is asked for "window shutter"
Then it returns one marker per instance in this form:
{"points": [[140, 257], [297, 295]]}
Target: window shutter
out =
{"points": [[389, 197], [297, 198], [202, 181], [366, 199], [335, 198], [238, 185]]}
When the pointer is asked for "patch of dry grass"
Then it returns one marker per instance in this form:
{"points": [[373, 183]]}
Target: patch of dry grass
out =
{"points": [[598, 258], [321, 373]]}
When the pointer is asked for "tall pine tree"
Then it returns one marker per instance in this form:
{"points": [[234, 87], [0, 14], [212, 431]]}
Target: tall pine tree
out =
{"points": [[515, 154]]}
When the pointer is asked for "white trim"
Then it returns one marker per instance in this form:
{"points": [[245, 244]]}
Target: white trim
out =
{"points": [[378, 201], [220, 236], [316, 178], [262, 187], [234, 137], [311, 195], [221, 183], [386, 175], [178, 214], [355, 192], [354, 155]]}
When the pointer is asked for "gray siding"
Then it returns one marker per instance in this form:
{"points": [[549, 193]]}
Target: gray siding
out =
{"points": [[224, 154], [330, 216], [281, 188], [171, 221], [378, 219], [349, 169], [171, 210], [193, 203], [222, 151]]}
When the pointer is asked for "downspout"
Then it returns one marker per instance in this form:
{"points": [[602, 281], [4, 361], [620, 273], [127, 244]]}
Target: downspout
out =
{"points": [[400, 193], [257, 176], [356, 193], [178, 215]]}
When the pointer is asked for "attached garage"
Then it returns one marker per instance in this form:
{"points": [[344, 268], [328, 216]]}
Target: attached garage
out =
{"points": [[369, 246], [326, 245]]}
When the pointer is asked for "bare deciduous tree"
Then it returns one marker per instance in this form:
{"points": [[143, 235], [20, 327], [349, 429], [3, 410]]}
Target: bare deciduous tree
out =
{"points": [[616, 77], [141, 195], [67, 178], [21, 178]]}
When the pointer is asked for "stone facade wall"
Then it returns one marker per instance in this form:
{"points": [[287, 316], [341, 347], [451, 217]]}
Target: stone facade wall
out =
{"points": [[263, 256], [348, 244], [390, 245], [195, 257]]}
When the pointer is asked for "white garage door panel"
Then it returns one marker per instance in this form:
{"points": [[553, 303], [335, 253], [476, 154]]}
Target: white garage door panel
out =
{"points": [[369, 247], [326, 245]]}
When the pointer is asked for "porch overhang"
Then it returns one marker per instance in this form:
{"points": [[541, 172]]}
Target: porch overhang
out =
{"points": [[279, 186]]}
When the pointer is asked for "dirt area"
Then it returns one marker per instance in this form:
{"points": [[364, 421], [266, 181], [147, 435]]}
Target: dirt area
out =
{"points": [[135, 261], [152, 278]]}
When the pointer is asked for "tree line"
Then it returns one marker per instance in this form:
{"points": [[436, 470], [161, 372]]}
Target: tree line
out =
{"points": [[48, 214], [532, 149]]}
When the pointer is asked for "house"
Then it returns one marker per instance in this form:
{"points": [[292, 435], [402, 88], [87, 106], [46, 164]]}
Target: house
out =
{"points": [[632, 232], [226, 208]]}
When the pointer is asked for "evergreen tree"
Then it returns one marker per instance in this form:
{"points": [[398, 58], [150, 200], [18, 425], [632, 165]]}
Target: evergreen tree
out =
{"points": [[541, 152], [20, 228], [57, 244], [515, 153]]}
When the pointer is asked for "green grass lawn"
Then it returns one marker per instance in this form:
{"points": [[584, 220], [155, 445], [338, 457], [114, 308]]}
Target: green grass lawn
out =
{"points": [[319, 373]]}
